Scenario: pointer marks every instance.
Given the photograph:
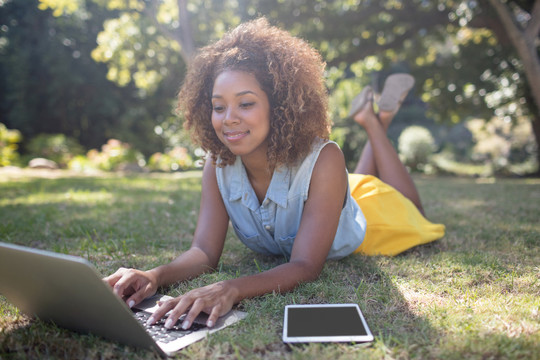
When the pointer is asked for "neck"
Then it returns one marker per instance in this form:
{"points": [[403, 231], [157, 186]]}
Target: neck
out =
{"points": [[259, 174], [257, 169]]}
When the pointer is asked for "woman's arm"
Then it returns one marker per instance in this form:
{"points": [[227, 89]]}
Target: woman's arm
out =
{"points": [[315, 236], [203, 256], [209, 237]]}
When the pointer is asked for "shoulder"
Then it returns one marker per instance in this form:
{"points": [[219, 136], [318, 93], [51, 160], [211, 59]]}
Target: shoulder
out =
{"points": [[209, 172], [228, 172], [230, 178], [330, 167], [324, 148], [330, 150], [330, 159], [324, 155]]}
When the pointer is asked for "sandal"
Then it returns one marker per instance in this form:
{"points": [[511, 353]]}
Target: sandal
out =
{"points": [[395, 90], [360, 100]]}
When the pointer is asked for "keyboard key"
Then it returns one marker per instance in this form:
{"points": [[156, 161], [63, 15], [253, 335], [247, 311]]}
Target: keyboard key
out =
{"points": [[159, 332]]}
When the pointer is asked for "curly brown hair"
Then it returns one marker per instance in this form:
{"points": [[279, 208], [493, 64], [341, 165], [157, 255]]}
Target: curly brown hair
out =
{"points": [[289, 71]]}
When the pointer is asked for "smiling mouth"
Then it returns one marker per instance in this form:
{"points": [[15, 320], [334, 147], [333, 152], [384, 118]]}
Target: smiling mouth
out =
{"points": [[235, 135]]}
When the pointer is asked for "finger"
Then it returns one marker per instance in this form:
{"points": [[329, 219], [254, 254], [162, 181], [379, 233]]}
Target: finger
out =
{"points": [[162, 310], [139, 296], [182, 306], [127, 281], [113, 278], [119, 288], [195, 310], [214, 316]]}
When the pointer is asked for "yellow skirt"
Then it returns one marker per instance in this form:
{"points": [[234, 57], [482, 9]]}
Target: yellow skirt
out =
{"points": [[394, 224]]}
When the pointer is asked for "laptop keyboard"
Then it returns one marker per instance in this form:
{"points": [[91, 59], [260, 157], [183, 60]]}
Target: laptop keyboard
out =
{"points": [[159, 332]]}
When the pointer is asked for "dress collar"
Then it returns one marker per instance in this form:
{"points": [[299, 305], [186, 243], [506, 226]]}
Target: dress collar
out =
{"points": [[242, 189]]}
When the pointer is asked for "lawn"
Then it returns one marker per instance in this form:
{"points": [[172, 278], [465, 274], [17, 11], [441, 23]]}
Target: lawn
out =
{"points": [[474, 294]]}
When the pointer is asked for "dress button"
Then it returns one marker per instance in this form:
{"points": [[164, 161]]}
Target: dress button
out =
{"points": [[267, 227]]}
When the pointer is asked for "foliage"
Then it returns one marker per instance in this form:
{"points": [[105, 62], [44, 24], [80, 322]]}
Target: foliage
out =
{"points": [[488, 148], [142, 43], [177, 158], [82, 164], [8, 145], [500, 143], [464, 64], [474, 294], [116, 155], [113, 155], [50, 83], [416, 145], [56, 147]]}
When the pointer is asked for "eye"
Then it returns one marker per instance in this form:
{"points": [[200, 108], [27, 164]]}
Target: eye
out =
{"points": [[247, 105], [218, 108]]}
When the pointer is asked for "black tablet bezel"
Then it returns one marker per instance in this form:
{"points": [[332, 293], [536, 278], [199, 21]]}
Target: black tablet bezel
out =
{"points": [[288, 338]]}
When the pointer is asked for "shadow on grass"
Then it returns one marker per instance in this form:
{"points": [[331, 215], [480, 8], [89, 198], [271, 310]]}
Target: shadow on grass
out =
{"points": [[34, 339], [399, 331], [490, 228], [389, 314], [110, 221], [117, 219]]}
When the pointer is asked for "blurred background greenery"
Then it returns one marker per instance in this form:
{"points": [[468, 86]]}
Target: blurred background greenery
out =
{"points": [[91, 84]]}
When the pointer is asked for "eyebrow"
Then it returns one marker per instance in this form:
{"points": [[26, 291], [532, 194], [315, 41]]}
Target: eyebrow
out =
{"points": [[237, 94]]}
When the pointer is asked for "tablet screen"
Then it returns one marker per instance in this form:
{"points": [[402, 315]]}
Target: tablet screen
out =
{"points": [[325, 323]]}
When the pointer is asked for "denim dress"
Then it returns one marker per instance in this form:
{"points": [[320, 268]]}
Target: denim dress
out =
{"points": [[270, 228]]}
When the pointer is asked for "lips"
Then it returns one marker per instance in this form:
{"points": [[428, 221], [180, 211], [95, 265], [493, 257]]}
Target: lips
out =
{"points": [[235, 135]]}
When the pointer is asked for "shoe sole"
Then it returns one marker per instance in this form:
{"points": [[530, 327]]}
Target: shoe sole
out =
{"points": [[360, 101], [395, 90]]}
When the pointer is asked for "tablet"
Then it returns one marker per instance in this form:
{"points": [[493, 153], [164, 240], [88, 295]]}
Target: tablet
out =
{"points": [[325, 323]]}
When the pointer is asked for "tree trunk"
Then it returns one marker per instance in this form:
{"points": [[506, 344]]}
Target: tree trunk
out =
{"points": [[524, 41], [187, 43], [536, 131], [183, 36]]}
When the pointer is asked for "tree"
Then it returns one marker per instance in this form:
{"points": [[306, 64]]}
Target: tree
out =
{"points": [[50, 84], [470, 57], [522, 27], [149, 38], [43, 64]]}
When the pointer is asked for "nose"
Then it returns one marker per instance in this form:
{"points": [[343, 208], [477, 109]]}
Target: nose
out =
{"points": [[231, 117]]}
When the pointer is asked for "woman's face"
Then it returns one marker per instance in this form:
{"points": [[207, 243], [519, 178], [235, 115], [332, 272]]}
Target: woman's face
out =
{"points": [[241, 113]]}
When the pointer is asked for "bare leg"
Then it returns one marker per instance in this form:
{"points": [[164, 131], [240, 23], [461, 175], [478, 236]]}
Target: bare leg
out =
{"points": [[379, 158], [366, 164]]}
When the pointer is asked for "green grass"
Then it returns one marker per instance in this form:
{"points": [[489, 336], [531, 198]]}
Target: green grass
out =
{"points": [[474, 294]]}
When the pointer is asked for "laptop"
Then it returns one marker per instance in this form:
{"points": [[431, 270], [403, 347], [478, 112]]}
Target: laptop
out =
{"points": [[68, 291], [325, 323]]}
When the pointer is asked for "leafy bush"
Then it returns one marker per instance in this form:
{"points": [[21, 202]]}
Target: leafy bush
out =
{"points": [[81, 163], [459, 141], [502, 144], [176, 159], [8, 145], [56, 147], [113, 155], [416, 145]]}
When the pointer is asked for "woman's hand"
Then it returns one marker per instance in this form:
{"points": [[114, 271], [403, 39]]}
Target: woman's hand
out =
{"points": [[215, 300], [132, 285]]}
